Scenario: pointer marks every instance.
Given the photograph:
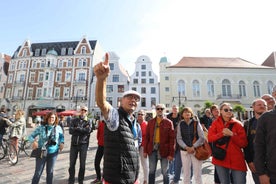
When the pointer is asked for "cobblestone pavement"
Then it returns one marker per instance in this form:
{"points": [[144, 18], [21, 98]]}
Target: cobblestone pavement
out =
{"points": [[23, 171]]}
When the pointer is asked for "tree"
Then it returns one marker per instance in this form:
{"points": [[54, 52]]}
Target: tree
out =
{"points": [[207, 104], [239, 109]]}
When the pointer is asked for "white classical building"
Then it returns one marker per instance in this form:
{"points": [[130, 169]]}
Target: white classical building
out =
{"points": [[194, 80], [145, 81], [117, 82]]}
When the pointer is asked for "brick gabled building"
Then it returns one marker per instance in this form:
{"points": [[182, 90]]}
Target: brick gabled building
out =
{"points": [[52, 75]]}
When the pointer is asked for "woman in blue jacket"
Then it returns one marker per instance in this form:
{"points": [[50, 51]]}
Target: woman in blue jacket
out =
{"points": [[51, 141]]}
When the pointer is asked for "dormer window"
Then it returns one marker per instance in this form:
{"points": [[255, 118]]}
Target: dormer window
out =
{"points": [[43, 52], [37, 51], [63, 51], [70, 51]]}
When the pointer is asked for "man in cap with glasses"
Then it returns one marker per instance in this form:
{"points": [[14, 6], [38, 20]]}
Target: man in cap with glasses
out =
{"points": [[159, 144], [121, 154], [80, 129]]}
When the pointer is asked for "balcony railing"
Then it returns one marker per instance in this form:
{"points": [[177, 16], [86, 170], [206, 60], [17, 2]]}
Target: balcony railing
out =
{"points": [[229, 97], [80, 81], [78, 98], [20, 82], [16, 98]]}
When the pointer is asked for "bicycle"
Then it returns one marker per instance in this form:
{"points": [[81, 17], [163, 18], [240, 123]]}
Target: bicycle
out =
{"points": [[25, 146], [8, 149]]}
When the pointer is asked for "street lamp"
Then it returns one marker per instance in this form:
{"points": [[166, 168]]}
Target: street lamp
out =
{"points": [[179, 97]]}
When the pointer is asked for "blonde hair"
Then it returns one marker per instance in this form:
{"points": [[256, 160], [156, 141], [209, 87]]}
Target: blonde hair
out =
{"points": [[20, 112]]}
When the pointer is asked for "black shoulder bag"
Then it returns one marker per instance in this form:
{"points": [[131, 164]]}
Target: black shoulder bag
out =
{"points": [[218, 152], [42, 152]]}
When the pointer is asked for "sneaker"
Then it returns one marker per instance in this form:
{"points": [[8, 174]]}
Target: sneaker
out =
{"points": [[97, 181]]}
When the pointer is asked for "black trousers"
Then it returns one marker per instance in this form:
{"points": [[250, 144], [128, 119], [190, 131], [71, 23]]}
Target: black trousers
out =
{"points": [[97, 161], [80, 150]]}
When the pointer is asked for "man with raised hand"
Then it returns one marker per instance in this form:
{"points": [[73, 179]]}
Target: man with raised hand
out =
{"points": [[121, 156]]}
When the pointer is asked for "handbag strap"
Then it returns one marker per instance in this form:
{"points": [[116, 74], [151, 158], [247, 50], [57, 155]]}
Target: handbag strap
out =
{"points": [[228, 140], [195, 131]]}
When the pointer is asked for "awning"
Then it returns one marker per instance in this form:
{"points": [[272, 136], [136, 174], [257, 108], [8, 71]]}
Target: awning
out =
{"points": [[68, 113]]}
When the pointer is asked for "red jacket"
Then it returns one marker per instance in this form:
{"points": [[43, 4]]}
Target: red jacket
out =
{"points": [[167, 138], [100, 133], [143, 126], [234, 155]]}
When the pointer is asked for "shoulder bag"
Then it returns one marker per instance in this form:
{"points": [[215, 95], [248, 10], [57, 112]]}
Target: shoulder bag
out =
{"points": [[204, 151], [218, 152]]}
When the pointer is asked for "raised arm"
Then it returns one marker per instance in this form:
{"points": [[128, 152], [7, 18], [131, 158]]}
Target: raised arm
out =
{"points": [[102, 71]]}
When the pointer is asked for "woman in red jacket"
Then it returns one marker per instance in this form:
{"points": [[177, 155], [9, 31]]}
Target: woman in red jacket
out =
{"points": [[234, 161]]}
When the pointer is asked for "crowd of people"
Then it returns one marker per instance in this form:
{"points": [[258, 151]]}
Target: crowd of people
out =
{"points": [[126, 141]]}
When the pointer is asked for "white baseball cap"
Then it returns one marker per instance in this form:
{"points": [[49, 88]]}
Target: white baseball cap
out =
{"points": [[131, 92]]}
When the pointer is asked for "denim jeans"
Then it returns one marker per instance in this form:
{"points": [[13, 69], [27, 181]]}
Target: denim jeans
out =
{"points": [[171, 167], [177, 166], [153, 158], [97, 161], [74, 151], [50, 161], [224, 175]]}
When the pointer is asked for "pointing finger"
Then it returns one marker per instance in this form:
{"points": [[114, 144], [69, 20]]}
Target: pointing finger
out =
{"points": [[106, 59]]}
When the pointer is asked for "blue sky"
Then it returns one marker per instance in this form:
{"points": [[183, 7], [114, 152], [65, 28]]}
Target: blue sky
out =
{"points": [[156, 28]]}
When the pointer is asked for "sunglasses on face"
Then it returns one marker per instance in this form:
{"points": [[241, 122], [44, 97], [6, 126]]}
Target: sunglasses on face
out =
{"points": [[84, 110], [160, 109], [228, 110], [140, 114]]}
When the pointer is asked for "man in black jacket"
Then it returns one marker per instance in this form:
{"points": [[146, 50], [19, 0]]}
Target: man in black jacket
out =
{"points": [[265, 152], [80, 129], [250, 126]]}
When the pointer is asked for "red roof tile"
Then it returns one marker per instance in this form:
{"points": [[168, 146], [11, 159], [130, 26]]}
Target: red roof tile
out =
{"points": [[214, 62]]}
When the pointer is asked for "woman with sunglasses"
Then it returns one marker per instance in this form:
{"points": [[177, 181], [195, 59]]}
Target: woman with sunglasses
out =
{"points": [[228, 129]]}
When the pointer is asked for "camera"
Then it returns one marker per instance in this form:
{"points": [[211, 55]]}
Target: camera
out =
{"points": [[51, 142]]}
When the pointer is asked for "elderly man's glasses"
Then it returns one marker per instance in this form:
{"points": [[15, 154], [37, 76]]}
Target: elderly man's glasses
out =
{"points": [[159, 109], [84, 110], [135, 97], [140, 114]]}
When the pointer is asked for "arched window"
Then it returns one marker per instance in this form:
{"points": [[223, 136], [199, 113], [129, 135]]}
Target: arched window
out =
{"points": [[256, 89], [196, 88], [242, 88], [83, 50], [210, 88], [226, 88], [181, 87], [24, 54], [269, 87]]}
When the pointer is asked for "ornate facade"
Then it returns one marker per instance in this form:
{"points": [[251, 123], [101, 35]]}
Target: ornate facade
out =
{"points": [[53, 75]]}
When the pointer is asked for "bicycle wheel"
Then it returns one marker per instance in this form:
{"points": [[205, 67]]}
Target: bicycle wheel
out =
{"points": [[27, 148], [12, 154], [2, 151]]}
